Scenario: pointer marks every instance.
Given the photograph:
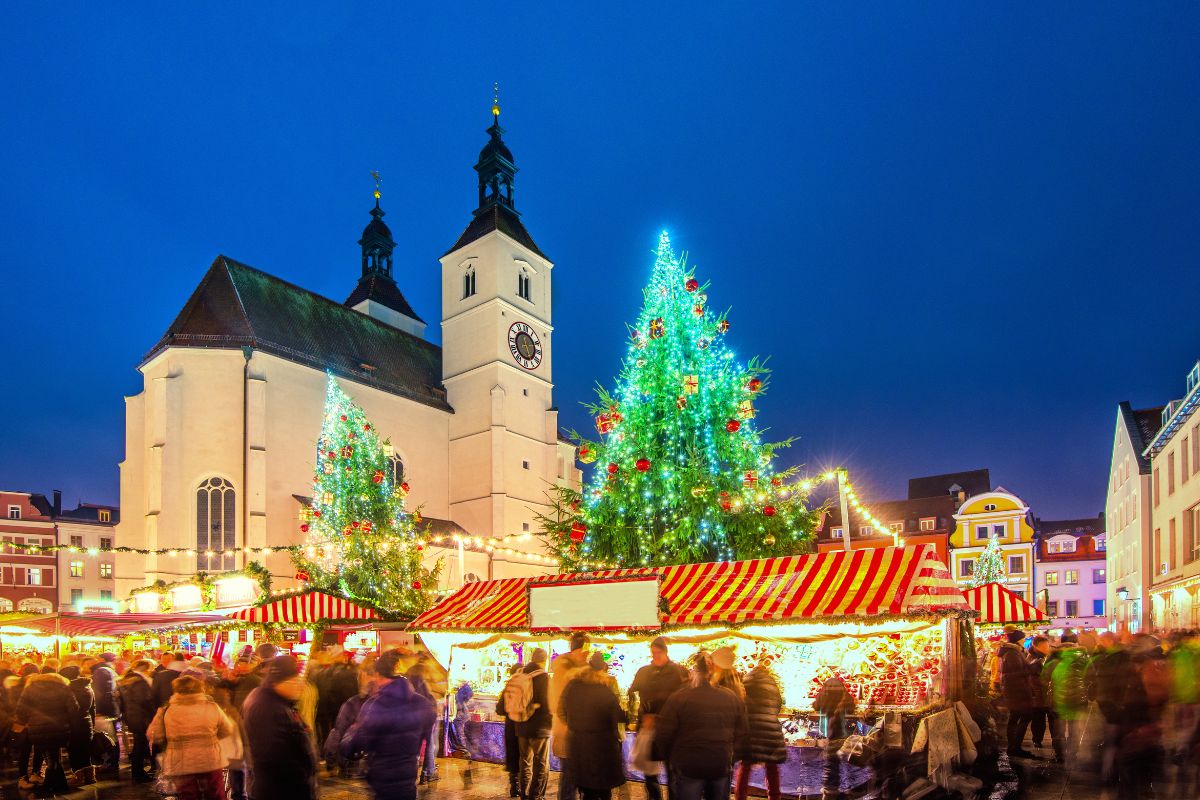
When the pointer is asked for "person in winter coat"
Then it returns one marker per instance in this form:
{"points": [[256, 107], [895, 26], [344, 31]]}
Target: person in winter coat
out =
{"points": [[512, 744], [695, 733], [50, 715], [389, 730], [1140, 741], [1067, 693], [1039, 715], [248, 675], [164, 679], [336, 683], [137, 703], [79, 745], [562, 671], [233, 746], [533, 733], [765, 744], [652, 685], [331, 749], [835, 704], [1106, 680], [104, 686], [283, 761], [188, 730], [594, 718], [1016, 687], [723, 672], [418, 675]]}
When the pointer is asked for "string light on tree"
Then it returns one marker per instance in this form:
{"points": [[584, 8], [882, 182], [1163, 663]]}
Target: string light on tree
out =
{"points": [[989, 567], [686, 476]]}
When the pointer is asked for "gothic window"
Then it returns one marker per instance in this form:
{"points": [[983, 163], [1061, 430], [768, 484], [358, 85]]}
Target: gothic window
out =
{"points": [[397, 468], [216, 525], [469, 283], [523, 281]]}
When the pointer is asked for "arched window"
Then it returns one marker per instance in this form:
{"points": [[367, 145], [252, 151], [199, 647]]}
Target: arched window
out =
{"points": [[6, 604], [396, 465], [37, 605], [216, 525], [468, 283], [523, 284]]}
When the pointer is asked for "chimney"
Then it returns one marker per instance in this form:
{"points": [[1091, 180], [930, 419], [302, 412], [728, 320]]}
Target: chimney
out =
{"points": [[56, 507], [960, 498]]}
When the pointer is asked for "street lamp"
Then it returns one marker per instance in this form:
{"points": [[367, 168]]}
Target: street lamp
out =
{"points": [[1123, 593]]}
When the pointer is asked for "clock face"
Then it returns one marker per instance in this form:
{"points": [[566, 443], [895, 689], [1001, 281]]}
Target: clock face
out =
{"points": [[524, 345]]}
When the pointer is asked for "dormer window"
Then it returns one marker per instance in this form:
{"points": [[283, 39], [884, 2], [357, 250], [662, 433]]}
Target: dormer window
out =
{"points": [[990, 507], [105, 515], [468, 283], [523, 281]]}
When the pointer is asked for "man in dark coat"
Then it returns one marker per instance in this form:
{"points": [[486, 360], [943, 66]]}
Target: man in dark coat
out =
{"points": [[765, 744], [653, 684], [695, 733], [166, 676], [1016, 686], [282, 760], [512, 744], [249, 676], [533, 734], [336, 684], [390, 728], [594, 718], [104, 685], [51, 715], [137, 703], [79, 744]]}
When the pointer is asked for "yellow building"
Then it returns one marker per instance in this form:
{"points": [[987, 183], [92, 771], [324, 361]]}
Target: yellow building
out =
{"points": [[1001, 515]]}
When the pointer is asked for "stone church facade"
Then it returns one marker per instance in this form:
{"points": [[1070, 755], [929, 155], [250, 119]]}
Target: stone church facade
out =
{"points": [[220, 442]]}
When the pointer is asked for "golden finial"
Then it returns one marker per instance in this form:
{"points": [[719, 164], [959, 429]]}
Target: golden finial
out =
{"points": [[375, 175], [496, 100]]}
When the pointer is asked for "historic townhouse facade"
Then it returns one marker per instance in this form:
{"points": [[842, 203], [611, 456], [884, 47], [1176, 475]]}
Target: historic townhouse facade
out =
{"points": [[1129, 526]]}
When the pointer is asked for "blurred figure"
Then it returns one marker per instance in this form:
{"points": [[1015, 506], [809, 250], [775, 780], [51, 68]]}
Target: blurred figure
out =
{"points": [[1107, 676], [283, 761], [173, 665], [835, 704], [1066, 672], [1016, 687], [390, 729], [765, 745], [534, 726], [565, 668], [418, 677], [249, 675], [79, 744], [49, 714], [594, 717], [137, 703], [188, 730], [512, 743], [233, 746], [368, 681], [696, 733], [1039, 717], [1183, 661], [1140, 740], [336, 683], [722, 672], [653, 684]]}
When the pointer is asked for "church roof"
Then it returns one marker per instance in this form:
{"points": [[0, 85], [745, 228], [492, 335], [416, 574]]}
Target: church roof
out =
{"points": [[497, 218], [236, 305], [383, 290]]}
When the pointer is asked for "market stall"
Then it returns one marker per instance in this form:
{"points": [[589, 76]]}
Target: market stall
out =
{"points": [[52, 633], [998, 605], [299, 614], [888, 621]]}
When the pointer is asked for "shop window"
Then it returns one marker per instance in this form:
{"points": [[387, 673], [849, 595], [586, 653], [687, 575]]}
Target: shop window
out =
{"points": [[1071, 577]]}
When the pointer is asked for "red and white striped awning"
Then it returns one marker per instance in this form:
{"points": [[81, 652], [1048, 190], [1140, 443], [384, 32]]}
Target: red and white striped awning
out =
{"points": [[306, 609], [874, 582], [997, 604], [68, 623]]}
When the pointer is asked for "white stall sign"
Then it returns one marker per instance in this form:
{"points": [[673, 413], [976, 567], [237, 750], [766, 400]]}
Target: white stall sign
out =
{"points": [[594, 605]]}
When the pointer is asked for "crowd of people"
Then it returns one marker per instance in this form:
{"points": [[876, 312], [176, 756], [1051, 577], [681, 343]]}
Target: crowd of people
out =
{"points": [[1127, 706]]}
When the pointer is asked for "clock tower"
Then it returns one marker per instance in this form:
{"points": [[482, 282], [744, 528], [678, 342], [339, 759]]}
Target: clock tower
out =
{"points": [[496, 362]]}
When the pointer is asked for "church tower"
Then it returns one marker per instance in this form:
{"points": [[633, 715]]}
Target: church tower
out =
{"points": [[376, 294], [496, 361]]}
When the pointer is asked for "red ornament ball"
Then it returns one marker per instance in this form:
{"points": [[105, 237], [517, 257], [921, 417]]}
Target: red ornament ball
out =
{"points": [[726, 506], [754, 384], [304, 528], [344, 418], [416, 585], [768, 511], [367, 427], [643, 465], [692, 284], [420, 547], [354, 524], [612, 469], [733, 426], [332, 454], [578, 531]]}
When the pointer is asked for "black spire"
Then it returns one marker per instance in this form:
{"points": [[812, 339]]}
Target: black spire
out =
{"points": [[376, 241], [496, 168]]}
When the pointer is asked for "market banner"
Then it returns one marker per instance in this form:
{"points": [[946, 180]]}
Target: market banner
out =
{"points": [[867, 583], [305, 609], [997, 604]]}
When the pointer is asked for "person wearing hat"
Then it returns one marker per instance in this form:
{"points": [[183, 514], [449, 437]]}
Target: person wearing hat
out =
{"points": [[765, 745], [594, 718], [282, 760], [390, 728], [653, 684], [723, 672]]}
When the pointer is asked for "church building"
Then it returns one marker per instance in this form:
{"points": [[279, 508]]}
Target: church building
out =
{"points": [[220, 443]]}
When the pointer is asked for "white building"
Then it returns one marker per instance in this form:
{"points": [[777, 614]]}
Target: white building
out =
{"points": [[1128, 515], [220, 442], [87, 578]]}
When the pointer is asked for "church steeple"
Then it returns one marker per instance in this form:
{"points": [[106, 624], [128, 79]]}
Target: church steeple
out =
{"points": [[495, 167], [376, 242], [376, 294]]}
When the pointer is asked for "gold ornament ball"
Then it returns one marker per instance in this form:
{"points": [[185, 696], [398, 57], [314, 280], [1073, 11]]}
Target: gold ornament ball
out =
{"points": [[769, 540]]}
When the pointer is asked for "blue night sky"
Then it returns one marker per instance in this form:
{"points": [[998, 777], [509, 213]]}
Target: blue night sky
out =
{"points": [[962, 232]]}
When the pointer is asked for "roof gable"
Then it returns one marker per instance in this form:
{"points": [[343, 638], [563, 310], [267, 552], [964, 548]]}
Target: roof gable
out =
{"points": [[236, 305], [976, 481], [1140, 426], [497, 218]]}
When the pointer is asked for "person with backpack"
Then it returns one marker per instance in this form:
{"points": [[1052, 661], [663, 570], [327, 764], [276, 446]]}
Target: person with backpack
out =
{"points": [[526, 699], [512, 746]]}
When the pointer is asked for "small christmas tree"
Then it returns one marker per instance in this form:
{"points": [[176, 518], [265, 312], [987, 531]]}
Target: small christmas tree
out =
{"points": [[682, 474], [989, 567], [360, 541]]}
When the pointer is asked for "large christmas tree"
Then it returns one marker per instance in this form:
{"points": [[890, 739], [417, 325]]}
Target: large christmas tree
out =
{"points": [[989, 567], [361, 543], [682, 474]]}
